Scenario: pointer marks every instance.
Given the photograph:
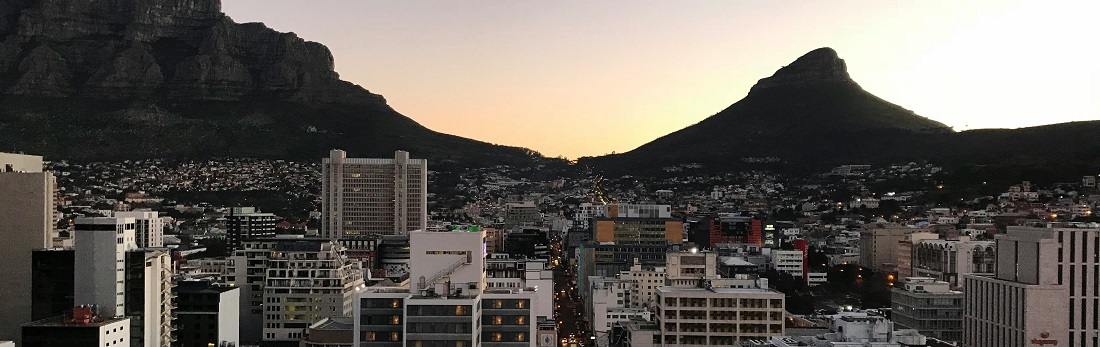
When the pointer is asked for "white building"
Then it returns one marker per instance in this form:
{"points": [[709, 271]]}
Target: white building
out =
{"points": [[790, 262], [364, 197], [690, 268], [1026, 300], [148, 227], [27, 223], [849, 329], [644, 282], [149, 299], [99, 275], [604, 296], [447, 303], [505, 272]]}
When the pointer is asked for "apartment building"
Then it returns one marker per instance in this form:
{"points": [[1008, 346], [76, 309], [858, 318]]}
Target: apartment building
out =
{"points": [[948, 260], [148, 227], [306, 281], [247, 223], [446, 303], [718, 316]]}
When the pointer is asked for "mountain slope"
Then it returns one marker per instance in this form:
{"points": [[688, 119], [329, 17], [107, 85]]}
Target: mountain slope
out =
{"points": [[812, 115], [114, 79]]}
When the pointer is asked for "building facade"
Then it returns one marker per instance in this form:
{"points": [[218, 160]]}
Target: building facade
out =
{"points": [[718, 316], [928, 306], [1025, 301], [878, 246], [149, 298], [148, 227], [948, 260], [207, 314], [81, 328], [247, 223], [363, 197], [307, 280], [639, 231], [27, 222], [101, 244], [52, 283]]}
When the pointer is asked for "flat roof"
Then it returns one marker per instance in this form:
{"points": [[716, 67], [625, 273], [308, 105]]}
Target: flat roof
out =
{"points": [[59, 321], [718, 290]]}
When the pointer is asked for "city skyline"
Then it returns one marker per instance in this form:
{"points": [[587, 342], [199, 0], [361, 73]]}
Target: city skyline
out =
{"points": [[574, 70]]}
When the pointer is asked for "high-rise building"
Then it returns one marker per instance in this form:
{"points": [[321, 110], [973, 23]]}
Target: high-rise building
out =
{"points": [[1024, 303], [207, 314], [307, 280], [101, 244], [929, 306], [148, 227], [906, 251], [82, 327], [447, 303], [247, 223], [26, 223], [363, 197], [149, 299]]}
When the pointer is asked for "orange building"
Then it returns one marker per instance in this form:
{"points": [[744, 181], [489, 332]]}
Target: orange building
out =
{"points": [[642, 231]]}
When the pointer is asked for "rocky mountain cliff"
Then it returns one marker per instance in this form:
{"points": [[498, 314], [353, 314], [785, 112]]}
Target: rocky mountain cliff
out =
{"points": [[180, 78], [810, 115]]}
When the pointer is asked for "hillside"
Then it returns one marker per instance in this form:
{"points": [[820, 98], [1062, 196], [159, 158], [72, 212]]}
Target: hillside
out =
{"points": [[131, 79]]}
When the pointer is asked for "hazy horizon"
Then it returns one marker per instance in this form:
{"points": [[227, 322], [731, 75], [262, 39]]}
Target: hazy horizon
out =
{"points": [[579, 79]]}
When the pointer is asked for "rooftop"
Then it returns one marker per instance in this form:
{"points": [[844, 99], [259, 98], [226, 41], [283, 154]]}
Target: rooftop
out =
{"points": [[59, 321]]}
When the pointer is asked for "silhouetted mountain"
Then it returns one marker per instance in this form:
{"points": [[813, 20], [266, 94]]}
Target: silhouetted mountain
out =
{"points": [[178, 78], [812, 115]]}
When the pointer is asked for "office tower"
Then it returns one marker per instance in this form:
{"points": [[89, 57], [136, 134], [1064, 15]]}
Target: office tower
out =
{"points": [[247, 223], [52, 283], [148, 227], [446, 303], [364, 197], [149, 299], [81, 328], [1025, 301], [207, 314], [101, 244], [929, 306], [638, 231], [26, 223], [307, 280]]}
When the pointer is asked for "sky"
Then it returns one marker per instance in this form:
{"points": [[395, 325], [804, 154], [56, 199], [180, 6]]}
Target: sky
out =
{"points": [[582, 78]]}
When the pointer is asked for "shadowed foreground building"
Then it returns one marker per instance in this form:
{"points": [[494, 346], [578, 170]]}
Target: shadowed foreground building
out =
{"points": [[207, 314], [81, 328], [928, 306]]}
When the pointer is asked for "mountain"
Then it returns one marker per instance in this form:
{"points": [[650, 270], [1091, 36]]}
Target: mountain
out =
{"points": [[126, 79], [811, 115]]}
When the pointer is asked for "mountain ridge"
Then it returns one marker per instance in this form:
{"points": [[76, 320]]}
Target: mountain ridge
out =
{"points": [[183, 79]]}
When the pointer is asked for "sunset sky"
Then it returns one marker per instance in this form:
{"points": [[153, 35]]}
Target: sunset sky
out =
{"points": [[582, 78]]}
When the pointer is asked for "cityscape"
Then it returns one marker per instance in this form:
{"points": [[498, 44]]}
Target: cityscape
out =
{"points": [[171, 177]]}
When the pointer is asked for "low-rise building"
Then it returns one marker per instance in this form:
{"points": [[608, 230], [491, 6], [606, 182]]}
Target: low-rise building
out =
{"points": [[928, 306]]}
